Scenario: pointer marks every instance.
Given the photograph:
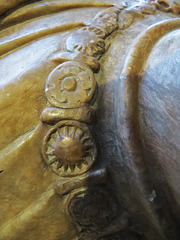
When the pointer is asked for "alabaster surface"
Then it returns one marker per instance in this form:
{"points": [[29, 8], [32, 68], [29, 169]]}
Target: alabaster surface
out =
{"points": [[90, 120]]}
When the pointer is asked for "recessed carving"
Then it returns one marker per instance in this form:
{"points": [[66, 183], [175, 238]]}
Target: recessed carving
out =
{"points": [[69, 85], [69, 149]]}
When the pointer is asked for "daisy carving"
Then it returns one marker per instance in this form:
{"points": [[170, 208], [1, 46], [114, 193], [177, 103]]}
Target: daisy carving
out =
{"points": [[69, 149], [71, 84]]}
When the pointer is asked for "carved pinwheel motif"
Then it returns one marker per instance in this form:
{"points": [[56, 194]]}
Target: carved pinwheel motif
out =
{"points": [[71, 84], [69, 149]]}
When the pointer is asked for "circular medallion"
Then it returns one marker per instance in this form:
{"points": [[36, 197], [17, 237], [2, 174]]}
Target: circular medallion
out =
{"points": [[93, 208], [70, 85], [87, 39], [69, 149]]}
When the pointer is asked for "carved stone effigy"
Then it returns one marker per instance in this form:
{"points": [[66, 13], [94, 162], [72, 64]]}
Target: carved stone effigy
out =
{"points": [[90, 115]]}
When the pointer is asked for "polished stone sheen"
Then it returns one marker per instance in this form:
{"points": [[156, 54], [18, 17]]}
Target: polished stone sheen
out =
{"points": [[90, 120]]}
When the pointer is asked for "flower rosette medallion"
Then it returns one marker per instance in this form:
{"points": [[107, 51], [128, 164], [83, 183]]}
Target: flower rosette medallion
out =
{"points": [[69, 149], [71, 84]]}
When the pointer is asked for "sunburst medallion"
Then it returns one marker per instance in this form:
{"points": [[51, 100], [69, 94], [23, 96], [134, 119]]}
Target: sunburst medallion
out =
{"points": [[87, 39], [69, 149]]}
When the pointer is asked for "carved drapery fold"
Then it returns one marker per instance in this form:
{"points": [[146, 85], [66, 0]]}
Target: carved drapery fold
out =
{"points": [[69, 147]]}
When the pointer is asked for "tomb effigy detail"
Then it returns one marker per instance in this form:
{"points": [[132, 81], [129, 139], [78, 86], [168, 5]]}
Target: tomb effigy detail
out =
{"points": [[90, 139]]}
